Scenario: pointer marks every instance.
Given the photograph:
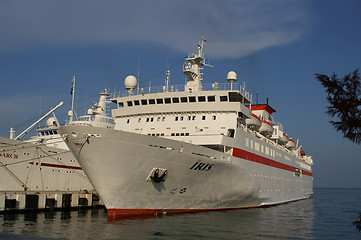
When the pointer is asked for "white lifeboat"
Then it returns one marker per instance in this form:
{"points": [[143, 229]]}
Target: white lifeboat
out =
{"points": [[284, 139], [266, 128], [291, 144], [253, 122]]}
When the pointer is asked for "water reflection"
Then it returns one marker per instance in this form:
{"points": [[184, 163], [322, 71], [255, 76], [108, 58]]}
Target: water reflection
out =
{"points": [[288, 221], [358, 223]]}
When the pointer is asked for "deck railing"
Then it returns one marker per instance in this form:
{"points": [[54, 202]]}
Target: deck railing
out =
{"points": [[181, 88]]}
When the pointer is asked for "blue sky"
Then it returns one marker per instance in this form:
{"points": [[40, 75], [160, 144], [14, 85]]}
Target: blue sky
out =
{"points": [[275, 47]]}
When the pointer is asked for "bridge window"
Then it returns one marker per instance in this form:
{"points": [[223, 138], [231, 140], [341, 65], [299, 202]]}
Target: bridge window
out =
{"points": [[230, 133], [167, 100], [201, 99], [211, 98], [184, 99], [223, 98], [151, 101], [159, 100], [144, 101], [130, 103], [136, 102], [175, 100], [192, 99]]}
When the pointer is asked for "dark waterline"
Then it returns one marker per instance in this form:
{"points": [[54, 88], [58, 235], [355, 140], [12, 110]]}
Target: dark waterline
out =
{"points": [[328, 214]]}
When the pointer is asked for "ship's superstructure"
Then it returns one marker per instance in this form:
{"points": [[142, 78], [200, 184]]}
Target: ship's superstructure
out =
{"points": [[190, 148]]}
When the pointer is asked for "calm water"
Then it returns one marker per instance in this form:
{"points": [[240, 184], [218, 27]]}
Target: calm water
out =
{"points": [[327, 215]]}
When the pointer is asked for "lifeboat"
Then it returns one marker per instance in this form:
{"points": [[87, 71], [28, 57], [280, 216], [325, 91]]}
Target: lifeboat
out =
{"points": [[291, 144], [253, 122], [284, 139], [266, 128]]}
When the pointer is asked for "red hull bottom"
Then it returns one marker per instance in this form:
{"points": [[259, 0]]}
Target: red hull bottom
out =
{"points": [[135, 213], [114, 214]]}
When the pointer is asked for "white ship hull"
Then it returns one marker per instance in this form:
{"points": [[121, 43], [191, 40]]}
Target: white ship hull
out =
{"points": [[119, 163], [39, 168]]}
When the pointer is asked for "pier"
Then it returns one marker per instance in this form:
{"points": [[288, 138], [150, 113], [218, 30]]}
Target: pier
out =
{"points": [[42, 200]]}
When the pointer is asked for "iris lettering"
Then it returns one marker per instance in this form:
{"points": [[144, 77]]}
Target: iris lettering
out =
{"points": [[194, 165], [201, 166], [209, 167], [205, 166]]}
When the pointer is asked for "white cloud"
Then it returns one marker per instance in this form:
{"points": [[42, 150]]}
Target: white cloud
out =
{"points": [[233, 28]]}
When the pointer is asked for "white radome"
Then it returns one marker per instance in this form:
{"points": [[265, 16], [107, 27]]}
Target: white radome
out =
{"points": [[232, 76], [51, 122], [130, 82]]}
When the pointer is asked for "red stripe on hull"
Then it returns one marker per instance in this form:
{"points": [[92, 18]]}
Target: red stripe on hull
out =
{"points": [[239, 153], [57, 166]]}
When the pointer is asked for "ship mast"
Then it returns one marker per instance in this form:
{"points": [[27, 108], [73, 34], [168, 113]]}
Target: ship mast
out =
{"points": [[72, 92], [192, 68]]}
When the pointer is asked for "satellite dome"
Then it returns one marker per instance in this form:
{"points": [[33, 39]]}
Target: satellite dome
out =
{"points": [[231, 76], [51, 122], [130, 82]]}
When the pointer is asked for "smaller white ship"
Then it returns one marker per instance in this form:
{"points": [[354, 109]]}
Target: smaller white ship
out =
{"points": [[41, 172]]}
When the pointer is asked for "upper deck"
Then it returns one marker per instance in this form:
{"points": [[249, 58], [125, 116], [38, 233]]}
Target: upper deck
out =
{"points": [[212, 97]]}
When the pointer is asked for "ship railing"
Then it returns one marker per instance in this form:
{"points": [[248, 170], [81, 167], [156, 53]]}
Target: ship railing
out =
{"points": [[181, 88], [90, 119]]}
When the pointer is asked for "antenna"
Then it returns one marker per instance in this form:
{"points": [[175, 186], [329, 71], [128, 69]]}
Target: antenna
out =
{"points": [[138, 73], [72, 92], [167, 73]]}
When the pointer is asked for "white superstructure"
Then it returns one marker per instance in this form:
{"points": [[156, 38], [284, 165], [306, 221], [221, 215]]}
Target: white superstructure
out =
{"points": [[190, 148]]}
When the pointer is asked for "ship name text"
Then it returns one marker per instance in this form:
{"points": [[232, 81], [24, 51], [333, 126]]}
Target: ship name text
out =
{"points": [[200, 166], [9, 155]]}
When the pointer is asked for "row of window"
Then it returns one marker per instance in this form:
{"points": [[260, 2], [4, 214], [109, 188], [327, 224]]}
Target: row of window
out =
{"points": [[50, 132], [177, 118], [264, 149], [173, 100], [259, 147], [172, 134]]}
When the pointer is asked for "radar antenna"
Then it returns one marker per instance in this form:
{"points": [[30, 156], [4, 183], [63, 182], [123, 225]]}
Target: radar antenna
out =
{"points": [[192, 68]]}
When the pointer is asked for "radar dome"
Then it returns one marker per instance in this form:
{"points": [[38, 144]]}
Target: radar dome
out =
{"points": [[130, 82], [231, 76], [51, 122]]}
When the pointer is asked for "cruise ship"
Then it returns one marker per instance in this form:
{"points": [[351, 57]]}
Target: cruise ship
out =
{"points": [[190, 148]]}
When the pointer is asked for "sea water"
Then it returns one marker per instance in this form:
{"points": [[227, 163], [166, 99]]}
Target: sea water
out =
{"points": [[328, 214]]}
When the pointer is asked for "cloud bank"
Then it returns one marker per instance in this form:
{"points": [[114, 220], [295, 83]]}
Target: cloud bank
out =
{"points": [[234, 28]]}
